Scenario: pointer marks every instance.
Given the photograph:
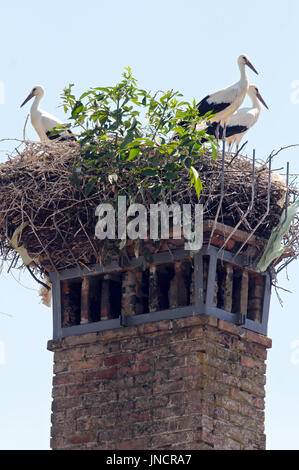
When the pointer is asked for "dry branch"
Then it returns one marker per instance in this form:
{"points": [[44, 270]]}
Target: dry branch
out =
{"points": [[36, 187]]}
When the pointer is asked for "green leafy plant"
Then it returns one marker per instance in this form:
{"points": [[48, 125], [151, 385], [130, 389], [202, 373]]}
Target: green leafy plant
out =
{"points": [[126, 138]]}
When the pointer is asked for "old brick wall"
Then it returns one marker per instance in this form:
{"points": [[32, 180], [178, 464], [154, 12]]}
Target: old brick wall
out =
{"points": [[191, 383]]}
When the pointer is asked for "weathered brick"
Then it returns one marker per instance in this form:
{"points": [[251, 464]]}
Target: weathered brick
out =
{"points": [[135, 444], [117, 360], [102, 374], [58, 391], [60, 404], [229, 327], [169, 439], [169, 338], [169, 387], [196, 332], [81, 339], [60, 367], [80, 438], [66, 356], [251, 363], [68, 378], [135, 369], [136, 344], [87, 364]]}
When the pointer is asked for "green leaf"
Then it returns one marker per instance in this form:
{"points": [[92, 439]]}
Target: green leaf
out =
{"points": [[214, 152], [188, 162], [89, 187], [172, 176], [148, 172], [195, 180], [77, 109], [133, 154]]}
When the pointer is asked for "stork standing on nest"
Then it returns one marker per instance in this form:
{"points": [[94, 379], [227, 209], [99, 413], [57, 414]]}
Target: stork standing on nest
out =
{"points": [[241, 121], [223, 103], [42, 121]]}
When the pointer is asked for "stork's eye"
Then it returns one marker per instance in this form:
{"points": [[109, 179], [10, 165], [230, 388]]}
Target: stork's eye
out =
{"points": [[34, 89]]}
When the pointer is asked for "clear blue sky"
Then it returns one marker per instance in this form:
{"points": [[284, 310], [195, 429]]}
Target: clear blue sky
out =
{"points": [[191, 46]]}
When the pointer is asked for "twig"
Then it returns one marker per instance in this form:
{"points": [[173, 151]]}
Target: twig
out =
{"points": [[38, 280], [24, 130]]}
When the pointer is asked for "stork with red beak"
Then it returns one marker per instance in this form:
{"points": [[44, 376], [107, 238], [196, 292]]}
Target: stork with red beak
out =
{"points": [[223, 103], [42, 121], [242, 120]]}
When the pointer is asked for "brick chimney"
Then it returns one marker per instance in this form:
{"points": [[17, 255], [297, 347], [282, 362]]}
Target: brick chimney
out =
{"points": [[171, 356]]}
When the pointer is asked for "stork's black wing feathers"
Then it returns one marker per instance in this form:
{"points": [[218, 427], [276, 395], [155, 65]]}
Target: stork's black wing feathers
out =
{"points": [[61, 137], [233, 130], [205, 107], [229, 132]]}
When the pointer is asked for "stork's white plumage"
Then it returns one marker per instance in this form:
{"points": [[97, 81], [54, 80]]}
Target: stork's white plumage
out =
{"points": [[242, 120], [223, 103], [42, 121], [245, 117]]}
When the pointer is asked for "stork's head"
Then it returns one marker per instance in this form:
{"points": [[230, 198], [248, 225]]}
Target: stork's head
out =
{"points": [[244, 60], [254, 91], [36, 91]]}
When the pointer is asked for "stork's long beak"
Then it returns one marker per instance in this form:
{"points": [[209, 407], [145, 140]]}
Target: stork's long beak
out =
{"points": [[31, 95], [261, 100], [251, 66]]}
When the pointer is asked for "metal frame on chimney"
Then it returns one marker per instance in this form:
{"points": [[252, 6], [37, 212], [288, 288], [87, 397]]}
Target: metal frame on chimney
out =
{"points": [[200, 307]]}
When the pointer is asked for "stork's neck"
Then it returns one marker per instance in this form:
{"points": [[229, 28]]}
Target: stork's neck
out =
{"points": [[255, 102], [35, 104], [244, 78]]}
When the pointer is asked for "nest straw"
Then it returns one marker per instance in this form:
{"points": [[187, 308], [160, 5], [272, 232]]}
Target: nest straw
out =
{"points": [[36, 188]]}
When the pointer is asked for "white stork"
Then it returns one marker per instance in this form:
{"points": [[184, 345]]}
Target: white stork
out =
{"points": [[223, 103], [242, 120], [42, 121]]}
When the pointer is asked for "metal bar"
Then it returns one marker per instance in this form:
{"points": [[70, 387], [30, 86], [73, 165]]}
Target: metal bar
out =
{"points": [[211, 279], [221, 195], [179, 312], [266, 304], [286, 203], [267, 210], [157, 258], [240, 260], [250, 207], [56, 306], [255, 326], [198, 280], [159, 316], [90, 328]]}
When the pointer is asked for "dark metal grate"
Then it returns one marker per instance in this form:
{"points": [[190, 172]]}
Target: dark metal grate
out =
{"points": [[174, 285]]}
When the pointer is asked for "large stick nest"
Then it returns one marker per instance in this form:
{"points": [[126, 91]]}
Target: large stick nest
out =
{"points": [[36, 189]]}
